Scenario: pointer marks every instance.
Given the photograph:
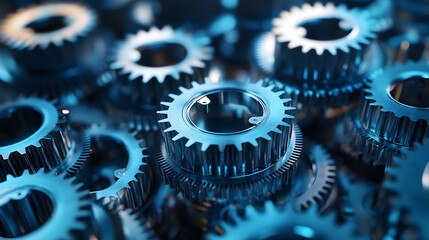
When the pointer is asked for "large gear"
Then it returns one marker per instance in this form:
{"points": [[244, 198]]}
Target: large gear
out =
{"points": [[410, 182], [44, 206], [64, 39], [36, 134], [286, 223], [314, 180], [116, 172], [257, 143], [156, 63], [392, 114], [308, 53]]}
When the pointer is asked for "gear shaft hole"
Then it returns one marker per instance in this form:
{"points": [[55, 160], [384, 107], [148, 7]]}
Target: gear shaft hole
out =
{"points": [[326, 29], [48, 24], [23, 211], [226, 112], [161, 54], [108, 155], [18, 123], [411, 91]]}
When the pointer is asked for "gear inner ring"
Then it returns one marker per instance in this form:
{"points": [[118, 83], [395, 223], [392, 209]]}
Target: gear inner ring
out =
{"points": [[411, 89], [225, 111], [27, 209]]}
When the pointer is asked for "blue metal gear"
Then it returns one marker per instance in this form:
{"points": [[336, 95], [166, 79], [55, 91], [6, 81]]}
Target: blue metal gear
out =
{"points": [[286, 223], [411, 184], [44, 206]]}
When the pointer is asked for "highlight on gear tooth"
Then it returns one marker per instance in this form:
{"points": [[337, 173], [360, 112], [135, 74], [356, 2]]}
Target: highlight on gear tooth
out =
{"points": [[214, 119]]}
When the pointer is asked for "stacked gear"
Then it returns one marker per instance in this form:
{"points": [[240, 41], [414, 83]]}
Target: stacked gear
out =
{"points": [[150, 65], [228, 141], [64, 39], [392, 115]]}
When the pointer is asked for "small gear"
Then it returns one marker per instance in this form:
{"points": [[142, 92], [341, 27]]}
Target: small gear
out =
{"points": [[156, 63], [285, 223], [222, 136], [116, 172], [315, 177], [410, 182], [320, 42], [36, 134], [44, 206], [392, 114], [64, 39]]}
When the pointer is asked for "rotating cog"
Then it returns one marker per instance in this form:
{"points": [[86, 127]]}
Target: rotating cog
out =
{"points": [[411, 184], [116, 172], [319, 42], [36, 134], [44, 206], [393, 113], [64, 39], [220, 138], [155, 63], [274, 223]]}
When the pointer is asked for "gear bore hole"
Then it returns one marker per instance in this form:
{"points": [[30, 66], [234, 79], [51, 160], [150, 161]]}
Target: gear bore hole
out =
{"points": [[18, 123], [48, 24], [226, 112], [108, 157], [325, 29], [411, 91], [161, 54], [26, 209]]}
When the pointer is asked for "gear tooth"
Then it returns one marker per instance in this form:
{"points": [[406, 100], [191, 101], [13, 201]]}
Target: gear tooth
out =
{"points": [[205, 146]]}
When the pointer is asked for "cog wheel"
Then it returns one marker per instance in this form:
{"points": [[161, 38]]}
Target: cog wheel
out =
{"points": [[275, 222], [116, 173], [118, 224], [306, 52], [410, 182], [34, 134], [156, 62], [392, 114], [44, 206], [222, 136], [64, 38], [318, 176]]}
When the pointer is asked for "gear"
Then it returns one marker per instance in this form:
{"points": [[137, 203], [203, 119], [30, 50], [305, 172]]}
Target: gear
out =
{"points": [[64, 39], [392, 114], [44, 206], [317, 95], [36, 134], [222, 136], [283, 223], [118, 224], [315, 177], [307, 53], [116, 172], [410, 182], [155, 63]]}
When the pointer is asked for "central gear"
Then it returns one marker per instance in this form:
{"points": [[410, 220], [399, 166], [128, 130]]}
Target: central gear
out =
{"points": [[392, 113], [37, 135], [305, 51], [155, 63], [44, 206], [64, 39], [284, 223], [411, 184], [257, 144], [125, 182]]}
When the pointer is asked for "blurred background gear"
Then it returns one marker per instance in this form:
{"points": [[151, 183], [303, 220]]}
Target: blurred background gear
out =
{"points": [[150, 65], [69, 49], [44, 206]]}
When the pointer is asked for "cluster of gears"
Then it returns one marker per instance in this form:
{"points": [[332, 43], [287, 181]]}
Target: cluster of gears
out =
{"points": [[214, 119]]}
